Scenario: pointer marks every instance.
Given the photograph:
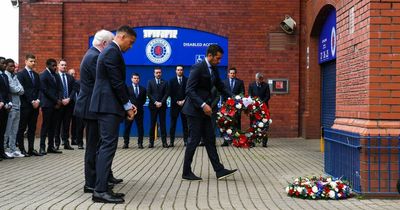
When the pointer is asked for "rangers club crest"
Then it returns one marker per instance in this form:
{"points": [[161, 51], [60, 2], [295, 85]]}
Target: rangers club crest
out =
{"points": [[158, 50]]}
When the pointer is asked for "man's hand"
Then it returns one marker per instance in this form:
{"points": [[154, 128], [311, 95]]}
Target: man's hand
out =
{"points": [[66, 101], [158, 104], [58, 105], [207, 110], [130, 114], [35, 104], [1, 105]]}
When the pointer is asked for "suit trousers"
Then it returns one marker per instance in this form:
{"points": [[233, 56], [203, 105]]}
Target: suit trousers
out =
{"points": [[139, 124], [3, 124], [161, 113], [108, 127], [92, 143], [77, 127], [201, 128], [28, 118], [175, 111], [64, 115], [48, 127]]}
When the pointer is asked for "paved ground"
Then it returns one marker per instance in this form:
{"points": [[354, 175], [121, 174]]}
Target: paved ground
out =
{"points": [[152, 180]]}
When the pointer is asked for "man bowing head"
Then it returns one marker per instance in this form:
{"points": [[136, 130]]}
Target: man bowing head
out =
{"points": [[110, 101]]}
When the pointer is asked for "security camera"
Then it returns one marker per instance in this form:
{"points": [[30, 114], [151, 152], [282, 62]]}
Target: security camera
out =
{"points": [[288, 25], [15, 3]]}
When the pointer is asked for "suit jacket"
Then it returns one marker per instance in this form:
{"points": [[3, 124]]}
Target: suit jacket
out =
{"points": [[110, 92], [262, 92], [31, 90], [157, 93], [198, 89], [4, 88], [238, 88], [177, 91], [50, 89], [71, 85], [77, 86], [88, 77], [140, 100]]}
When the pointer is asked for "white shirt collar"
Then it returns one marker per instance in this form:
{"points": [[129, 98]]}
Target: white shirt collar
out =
{"points": [[208, 64], [27, 68], [117, 45]]}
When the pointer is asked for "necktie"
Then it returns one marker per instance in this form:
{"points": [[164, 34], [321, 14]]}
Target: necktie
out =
{"points": [[232, 84], [212, 75], [65, 86], [32, 77], [179, 81], [158, 81], [136, 91]]}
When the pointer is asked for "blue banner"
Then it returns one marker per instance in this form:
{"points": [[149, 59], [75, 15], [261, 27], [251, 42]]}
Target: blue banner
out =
{"points": [[327, 39], [165, 46]]}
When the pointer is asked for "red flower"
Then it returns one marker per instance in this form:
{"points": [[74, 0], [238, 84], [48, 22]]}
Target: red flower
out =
{"points": [[230, 102], [257, 116], [232, 112], [223, 110]]}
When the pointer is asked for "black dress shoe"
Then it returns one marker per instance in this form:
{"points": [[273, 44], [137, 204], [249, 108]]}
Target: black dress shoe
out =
{"points": [[106, 197], [165, 145], [151, 146], [87, 189], [6, 157], [265, 145], [34, 153], [201, 144], [225, 173], [116, 194], [171, 145], [53, 150], [73, 142], [184, 144], [225, 144], [81, 146], [42, 151], [191, 177], [68, 147], [126, 146], [115, 180], [140, 146], [26, 154]]}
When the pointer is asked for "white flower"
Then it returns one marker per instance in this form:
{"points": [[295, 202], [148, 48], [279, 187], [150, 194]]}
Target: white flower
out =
{"points": [[339, 195], [329, 179], [238, 106], [299, 189], [336, 190], [333, 185], [315, 189], [254, 107], [270, 121], [296, 180], [265, 120], [229, 131], [287, 189], [237, 97], [260, 124], [262, 112], [222, 130], [332, 194]]}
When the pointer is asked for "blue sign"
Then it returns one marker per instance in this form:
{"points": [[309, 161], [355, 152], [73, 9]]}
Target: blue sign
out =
{"points": [[166, 46], [327, 39]]}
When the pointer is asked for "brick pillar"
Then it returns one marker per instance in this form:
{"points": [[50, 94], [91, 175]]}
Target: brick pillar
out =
{"points": [[368, 87]]}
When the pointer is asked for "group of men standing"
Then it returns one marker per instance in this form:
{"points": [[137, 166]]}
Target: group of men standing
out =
{"points": [[23, 93]]}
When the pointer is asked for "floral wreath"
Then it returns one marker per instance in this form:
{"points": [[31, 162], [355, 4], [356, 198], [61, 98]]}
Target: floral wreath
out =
{"points": [[319, 188], [259, 120]]}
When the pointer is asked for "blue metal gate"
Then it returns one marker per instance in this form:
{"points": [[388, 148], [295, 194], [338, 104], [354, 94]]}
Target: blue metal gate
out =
{"points": [[328, 99]]}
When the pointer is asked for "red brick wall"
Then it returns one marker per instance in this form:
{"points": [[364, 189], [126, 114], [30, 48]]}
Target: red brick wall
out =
{"points": [[247, 24]]}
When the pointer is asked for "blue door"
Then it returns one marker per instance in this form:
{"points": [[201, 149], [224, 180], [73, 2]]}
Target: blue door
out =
{"points": [[328, 104]]}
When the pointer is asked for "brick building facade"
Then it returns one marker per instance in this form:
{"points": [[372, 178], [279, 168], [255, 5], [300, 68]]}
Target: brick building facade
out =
{"points": [[367, 64]]}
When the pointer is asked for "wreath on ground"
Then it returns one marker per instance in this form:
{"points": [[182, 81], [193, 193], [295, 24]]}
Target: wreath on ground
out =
{"points": [[319, 188], [258, 113]]}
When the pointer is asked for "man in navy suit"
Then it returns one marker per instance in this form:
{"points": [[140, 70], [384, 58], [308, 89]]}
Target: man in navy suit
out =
{"points": [[77, 125], [30, 80], [203, 77], [237, 88], [177, 87], [64, 114], [110, 102], [4, 106], [88, 76], [137, 95], [50, 99], [157, 91], [260, 89]]}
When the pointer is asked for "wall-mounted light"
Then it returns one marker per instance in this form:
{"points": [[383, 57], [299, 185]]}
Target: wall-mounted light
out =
{"points": [[288, 25], [15, 3]]}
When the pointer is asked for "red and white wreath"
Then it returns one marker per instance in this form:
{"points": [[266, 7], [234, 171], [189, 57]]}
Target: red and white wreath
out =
{"points": [[259, 120]]}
